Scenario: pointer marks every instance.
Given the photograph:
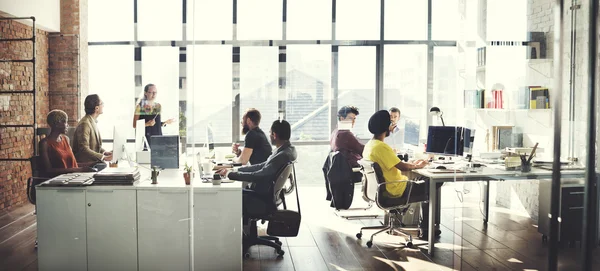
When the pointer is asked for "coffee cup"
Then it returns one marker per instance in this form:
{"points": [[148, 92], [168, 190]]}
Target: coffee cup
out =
{"points": [[216, 179], [207, 168]]}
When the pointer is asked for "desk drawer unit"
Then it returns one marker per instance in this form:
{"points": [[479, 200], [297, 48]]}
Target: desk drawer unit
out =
{"points": [[571, 211]]}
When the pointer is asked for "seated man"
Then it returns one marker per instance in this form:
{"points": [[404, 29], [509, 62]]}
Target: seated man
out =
{"points": [[87, 144], [56, 156], [395, 139], [345, 142], [264, 174], [256, 146], [379, 152]]}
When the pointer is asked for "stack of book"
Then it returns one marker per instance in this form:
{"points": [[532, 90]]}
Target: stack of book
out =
{"points": [[71, 179], [117, 176], [539, 97]]}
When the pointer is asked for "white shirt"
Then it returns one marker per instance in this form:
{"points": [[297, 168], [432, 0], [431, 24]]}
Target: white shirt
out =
{"points": [[395, 139]]}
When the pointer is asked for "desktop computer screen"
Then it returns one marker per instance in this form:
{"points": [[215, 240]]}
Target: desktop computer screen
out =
{"points": [[448, 140], [165, 151], [119, 141], [210, 138], [140, 135]]}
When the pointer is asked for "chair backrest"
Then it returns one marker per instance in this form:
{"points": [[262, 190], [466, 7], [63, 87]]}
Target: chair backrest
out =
{"points": [[278, 186], [371, 179]]}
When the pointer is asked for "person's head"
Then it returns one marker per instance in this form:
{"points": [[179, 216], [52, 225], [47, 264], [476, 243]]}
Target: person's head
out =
{"points": [[280, 132], [150, 92], [379, 124], [250, 120], [93, 104], [348, 113], [395, 115], [57, 120]]}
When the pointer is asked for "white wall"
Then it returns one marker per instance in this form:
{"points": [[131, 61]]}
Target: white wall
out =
{"points": [[46, 12]]}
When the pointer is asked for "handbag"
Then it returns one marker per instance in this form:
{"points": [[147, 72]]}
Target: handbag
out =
{"points": [[286, 223]]}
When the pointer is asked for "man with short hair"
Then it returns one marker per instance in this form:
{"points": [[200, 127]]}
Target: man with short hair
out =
{"points": [[344, 141], [87, 143], [256, 146], [391, 166], [396, 137]]}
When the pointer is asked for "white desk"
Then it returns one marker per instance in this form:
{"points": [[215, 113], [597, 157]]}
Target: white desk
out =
{"points": [[141, 227], [486, 174]]}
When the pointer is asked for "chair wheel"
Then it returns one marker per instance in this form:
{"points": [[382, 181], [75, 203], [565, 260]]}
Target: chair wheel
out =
{"points": [[359, 235], [247, 255], [280, 252], [409, 245], [369, 244]]}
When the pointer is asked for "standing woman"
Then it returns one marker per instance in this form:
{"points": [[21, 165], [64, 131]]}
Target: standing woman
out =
{"points": [[149, 110]]}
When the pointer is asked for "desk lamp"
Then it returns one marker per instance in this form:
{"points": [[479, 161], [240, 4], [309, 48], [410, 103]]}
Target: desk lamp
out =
{"points": [[435, 111]]}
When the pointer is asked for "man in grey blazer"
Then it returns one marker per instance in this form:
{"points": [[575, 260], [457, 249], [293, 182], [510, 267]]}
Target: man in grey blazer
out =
{"points": [[263, 175], [87, 143]]}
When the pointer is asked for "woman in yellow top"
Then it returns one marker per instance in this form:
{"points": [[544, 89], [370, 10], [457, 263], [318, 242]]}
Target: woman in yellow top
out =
{"points": [[381, 153]]}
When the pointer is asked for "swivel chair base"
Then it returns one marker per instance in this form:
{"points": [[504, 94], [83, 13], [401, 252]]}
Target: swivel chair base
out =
{"points": [[252, 238], [390, 228]]}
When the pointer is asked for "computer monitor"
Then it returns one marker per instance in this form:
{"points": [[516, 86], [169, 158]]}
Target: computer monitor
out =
{"points": [[119, 141], [140, 134], [210, 138], [165, 151], [412, 128], [447, 140]]}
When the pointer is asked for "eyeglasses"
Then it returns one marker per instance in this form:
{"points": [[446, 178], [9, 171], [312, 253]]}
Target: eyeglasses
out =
{"points": [[151, 92]]}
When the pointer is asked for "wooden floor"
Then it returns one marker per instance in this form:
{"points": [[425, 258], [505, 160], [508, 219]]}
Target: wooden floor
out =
{"points": [[326, 242]]}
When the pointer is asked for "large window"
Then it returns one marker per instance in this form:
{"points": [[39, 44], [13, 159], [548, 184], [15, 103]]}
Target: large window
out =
{"points": [[212, 60]]}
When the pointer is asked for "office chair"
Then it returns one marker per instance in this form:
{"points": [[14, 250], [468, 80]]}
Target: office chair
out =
{"points": [[375, 186], [264, 214], [339, 182]]}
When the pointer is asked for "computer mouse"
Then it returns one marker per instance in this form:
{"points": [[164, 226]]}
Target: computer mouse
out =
{"points": [[440, 167]]}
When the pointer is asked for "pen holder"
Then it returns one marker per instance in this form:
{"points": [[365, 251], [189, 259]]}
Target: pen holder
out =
{"points": [[525, 167]]}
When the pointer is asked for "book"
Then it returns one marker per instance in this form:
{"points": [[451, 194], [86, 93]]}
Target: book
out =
{"points": [[539, 98]]}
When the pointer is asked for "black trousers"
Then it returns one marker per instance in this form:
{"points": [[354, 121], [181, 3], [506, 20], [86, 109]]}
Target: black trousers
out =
{"points": [[419, 192]]}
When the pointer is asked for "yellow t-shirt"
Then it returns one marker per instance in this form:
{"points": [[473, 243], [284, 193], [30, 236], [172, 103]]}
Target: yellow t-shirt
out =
{"points": [[379, 152]]}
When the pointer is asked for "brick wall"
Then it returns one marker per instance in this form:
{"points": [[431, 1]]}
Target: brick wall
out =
{"points": [[17, 142]]}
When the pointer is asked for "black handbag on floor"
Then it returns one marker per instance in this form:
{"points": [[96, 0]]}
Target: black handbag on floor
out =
{"points": [[286, 223]]}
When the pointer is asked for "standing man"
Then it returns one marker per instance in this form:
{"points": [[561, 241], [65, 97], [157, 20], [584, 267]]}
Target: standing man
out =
{"points": [[87, 143], [345, 141], [256, 146], [396, 137]]}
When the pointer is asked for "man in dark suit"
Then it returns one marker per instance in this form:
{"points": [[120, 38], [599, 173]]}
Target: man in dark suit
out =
{"points": [[262, 176]]}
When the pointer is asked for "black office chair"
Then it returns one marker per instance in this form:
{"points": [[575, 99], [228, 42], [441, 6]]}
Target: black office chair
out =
{"points": [[374, 190], [264, 212]]}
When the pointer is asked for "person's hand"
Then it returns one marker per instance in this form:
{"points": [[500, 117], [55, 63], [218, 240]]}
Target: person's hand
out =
{"points": [[169, 121], [107, 157], [222, 172], [235, 148], [150, 123], [108, 153], [420, 164]]}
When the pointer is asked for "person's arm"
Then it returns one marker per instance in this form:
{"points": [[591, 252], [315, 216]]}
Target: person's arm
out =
{"points": [[244, 157], [136, 115], [251, 168], [47, 166], [263, 174], [83, 142], [351, 143], [410, 166]]}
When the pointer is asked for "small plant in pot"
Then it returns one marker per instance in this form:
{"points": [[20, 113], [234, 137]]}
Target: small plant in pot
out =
{"points": [[188, 173]]}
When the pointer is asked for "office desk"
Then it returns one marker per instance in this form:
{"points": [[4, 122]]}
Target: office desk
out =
{"points": [[141, 227], [486, 174]]}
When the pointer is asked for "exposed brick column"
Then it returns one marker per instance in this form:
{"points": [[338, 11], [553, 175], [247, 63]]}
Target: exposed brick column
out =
{"points": [[65, 55], [17, 142]]}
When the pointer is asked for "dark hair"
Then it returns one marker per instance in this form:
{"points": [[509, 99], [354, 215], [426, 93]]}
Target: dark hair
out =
{"points": [[254, 115], [90, 103], [394, 110], [347, 109], [282, 129], [147, 87], [379, 122]]}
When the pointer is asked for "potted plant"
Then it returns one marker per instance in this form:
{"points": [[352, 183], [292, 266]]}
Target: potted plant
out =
{"points": [[188, 173]]}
